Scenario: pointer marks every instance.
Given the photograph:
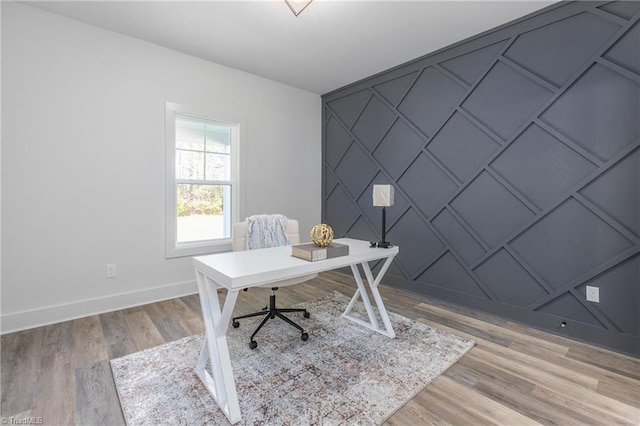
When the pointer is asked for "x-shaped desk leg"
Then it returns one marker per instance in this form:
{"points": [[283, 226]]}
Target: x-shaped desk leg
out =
{"points": [[362, 292], [222, 385]]}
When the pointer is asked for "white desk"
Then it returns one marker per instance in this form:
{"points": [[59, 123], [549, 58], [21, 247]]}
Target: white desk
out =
{"points": [[238, 270]]}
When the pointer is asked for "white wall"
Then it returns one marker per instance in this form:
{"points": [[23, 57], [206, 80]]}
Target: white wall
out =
{"points": [[83, 171]]}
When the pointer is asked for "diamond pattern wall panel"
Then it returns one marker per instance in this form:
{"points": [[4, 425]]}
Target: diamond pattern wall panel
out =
{"points": [[617, 192], [621, 305], [420, 243], [567, 305], [490, 210], [458, 136], [556, 51], [349, 107], [626, 51], [430, 100], [541, 167], [341, 211], [356, 170], [460, 240], [515, 157], [398, 149], [623, 9], [339, 142], [470, 66], [511, 283], [426, 185], [575, 241], [505, 99], [373, 123], [394, 90], [448, 273], [599, 112]]}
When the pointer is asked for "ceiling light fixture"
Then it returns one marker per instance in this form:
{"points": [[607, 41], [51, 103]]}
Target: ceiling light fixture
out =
{"points": [[297, 6]]}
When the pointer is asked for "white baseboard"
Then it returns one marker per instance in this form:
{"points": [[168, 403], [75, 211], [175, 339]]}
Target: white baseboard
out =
{"points": [[53, 314]]}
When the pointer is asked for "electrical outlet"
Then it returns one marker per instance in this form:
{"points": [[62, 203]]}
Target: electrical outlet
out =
{"points": [[593, 294], [111, 270]]}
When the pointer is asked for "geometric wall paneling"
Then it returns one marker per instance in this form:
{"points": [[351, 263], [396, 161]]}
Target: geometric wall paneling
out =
{"points": [[505, 99], [556, 51], [599, 112], [398, 148], [509, 281], [567, 306], [515, 157], [619, 295], [394, 90], [348, 107], [338, 141], [330, 180], [458, 136], [373, 123], [419, 244], [362, 231], [470, 66], [374, 214], [623, 9], [432, 97], [355, 170], [458, 238], [446, 272], [490, 210], [426, 185], [540, 167], [617, 192], [341, 213], [567, 243], [626, 51]]}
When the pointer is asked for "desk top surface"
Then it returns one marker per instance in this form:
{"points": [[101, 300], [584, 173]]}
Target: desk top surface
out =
{"points": [[242, 269]]}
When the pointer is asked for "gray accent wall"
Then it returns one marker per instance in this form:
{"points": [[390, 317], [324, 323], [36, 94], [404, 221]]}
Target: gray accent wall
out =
{"points": [[515, 157]]}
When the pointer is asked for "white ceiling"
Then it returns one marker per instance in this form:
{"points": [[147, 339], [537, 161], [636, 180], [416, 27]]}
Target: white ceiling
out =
{"points": [[330, 44]]}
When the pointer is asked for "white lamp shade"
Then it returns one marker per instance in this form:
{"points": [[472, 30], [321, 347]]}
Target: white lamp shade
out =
{"points": [[382, 195]]}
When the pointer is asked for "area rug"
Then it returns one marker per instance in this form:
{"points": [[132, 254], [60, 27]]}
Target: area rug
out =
{"points": [[344, 374]]}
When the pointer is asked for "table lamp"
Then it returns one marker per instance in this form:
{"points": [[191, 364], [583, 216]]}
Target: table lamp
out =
{"points": [[383, 197]]}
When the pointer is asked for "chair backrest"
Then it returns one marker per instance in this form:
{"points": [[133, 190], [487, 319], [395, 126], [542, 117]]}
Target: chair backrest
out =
{"points": [[239, 234]]}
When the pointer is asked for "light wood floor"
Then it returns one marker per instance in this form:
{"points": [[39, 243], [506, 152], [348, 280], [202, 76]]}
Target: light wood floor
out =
{"points": [[514, 375]]}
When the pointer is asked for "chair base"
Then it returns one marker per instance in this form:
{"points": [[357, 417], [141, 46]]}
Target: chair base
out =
{"points": [[271, 312]]}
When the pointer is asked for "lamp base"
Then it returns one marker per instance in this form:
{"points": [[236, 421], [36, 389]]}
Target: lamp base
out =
{"points": [[381, 244]]}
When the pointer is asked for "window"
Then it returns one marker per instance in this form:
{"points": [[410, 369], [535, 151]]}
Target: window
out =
{"points": [[201, 181]]}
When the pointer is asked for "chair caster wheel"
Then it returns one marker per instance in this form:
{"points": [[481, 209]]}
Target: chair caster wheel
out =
{"points": [[253, 344], [306, 315], [304, 337], [235, 324]]}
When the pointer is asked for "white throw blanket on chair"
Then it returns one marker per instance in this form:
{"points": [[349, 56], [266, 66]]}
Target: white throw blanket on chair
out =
{"points": [[266, 230]]}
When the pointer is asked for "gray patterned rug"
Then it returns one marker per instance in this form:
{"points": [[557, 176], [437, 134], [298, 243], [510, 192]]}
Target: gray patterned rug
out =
{"points": [[343, 375]]}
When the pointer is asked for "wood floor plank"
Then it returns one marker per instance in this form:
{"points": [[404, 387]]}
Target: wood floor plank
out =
{"points": [[530, 341], [89, 343], [485, 408], [55, 396], [97, 401], [605, 410], [414, 413], [119, 341], [24, 372], [564, 384], [514, 375], [143, 330], [620, 364]]}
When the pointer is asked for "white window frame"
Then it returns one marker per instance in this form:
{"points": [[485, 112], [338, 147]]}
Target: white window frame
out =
{"points": [[173, 248]]}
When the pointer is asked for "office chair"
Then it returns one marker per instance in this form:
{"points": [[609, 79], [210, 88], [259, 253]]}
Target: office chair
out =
{"points": [[270, 312]]}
